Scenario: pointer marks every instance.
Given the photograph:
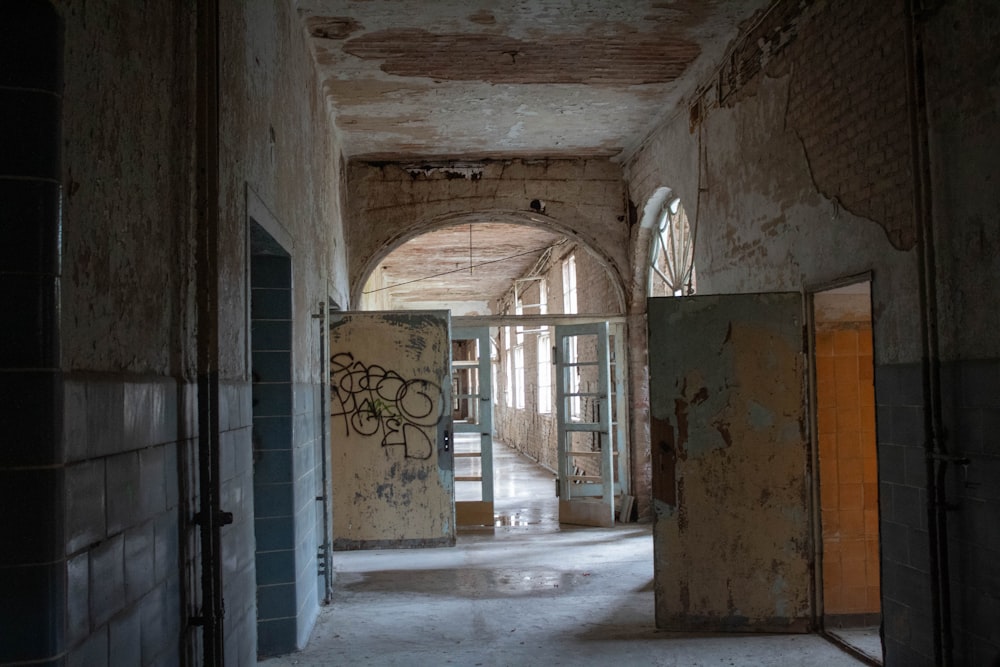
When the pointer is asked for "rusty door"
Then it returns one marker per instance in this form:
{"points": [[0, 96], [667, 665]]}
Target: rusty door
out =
{"points": [[391, 461], [731, 534]]}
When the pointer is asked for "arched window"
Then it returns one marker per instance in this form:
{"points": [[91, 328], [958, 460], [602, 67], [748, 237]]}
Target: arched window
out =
{"points": [[671, 266]]}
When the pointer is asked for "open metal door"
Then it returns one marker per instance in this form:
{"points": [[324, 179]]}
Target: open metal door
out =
{"points": [[390, 430], [586, 446], [731, 533], [472, 414]]}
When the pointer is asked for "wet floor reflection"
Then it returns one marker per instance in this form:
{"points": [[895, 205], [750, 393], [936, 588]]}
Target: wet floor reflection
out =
{"points": [[513, 520], [465, 582], [524, 493]]}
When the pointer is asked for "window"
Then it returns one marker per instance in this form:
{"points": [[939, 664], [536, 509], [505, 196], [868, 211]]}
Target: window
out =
{"points": [[519, 310], [671, 267], [569, 306], [544, 374], [519, 359], [495, 367], [510, 370], [569, 284], [519, 377]]}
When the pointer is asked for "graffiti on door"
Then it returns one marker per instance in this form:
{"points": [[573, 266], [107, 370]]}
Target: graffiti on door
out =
{"points": [[372, 401]]}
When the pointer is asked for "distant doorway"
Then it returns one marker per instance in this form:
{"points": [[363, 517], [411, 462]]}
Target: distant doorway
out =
{"points": [[847, 467], [472, 415]]}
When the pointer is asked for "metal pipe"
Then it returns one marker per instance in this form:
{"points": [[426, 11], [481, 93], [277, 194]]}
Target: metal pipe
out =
{"points": [[935, 445], [209, 517], [325, 497]]}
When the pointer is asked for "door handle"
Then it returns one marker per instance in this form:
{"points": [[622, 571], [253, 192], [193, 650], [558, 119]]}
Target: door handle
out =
{"points": [[447, 440]]}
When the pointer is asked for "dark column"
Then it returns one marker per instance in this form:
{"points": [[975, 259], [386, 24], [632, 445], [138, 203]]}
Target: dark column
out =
{"points": [[32, 560]]}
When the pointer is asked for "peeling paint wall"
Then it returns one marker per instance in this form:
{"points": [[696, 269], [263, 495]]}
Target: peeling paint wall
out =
{"points": [[128, 188], [287, 154], [748, 175], [129, 311], [128, 351], [797, 162], [278, 149], [963, 90]]}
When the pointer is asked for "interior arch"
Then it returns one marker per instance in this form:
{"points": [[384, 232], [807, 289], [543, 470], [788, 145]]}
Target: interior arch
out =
{"points": [[496, 230]]}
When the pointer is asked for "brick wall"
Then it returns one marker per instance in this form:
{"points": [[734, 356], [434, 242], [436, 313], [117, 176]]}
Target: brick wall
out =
{"points": [[847, 100], [810, 101], [391, 202]]}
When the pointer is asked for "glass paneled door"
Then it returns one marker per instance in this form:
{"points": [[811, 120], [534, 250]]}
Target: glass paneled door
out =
{"points": [[586, 436], [472, 412]]}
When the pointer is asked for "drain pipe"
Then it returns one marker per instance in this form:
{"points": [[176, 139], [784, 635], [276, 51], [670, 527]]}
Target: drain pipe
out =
{"points": [[937, 457], [325, 555], [210, 517]]}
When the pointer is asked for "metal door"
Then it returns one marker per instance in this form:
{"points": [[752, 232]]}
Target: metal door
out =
{"points": [[472, 414], [586, 446], [391, 429], [732, 543]]}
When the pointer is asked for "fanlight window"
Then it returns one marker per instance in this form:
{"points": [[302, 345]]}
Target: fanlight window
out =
{"points": [[671, 269]]}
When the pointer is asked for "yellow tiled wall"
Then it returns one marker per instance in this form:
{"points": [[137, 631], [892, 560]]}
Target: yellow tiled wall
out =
{"points": [[848, 471]]}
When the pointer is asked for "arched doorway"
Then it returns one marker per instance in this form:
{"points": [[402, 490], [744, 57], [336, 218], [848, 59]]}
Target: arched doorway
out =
{"points": [[517, 281]]}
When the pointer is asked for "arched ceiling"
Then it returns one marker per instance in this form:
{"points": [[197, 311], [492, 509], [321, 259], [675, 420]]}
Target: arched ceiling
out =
{"points": [[432, 271]]}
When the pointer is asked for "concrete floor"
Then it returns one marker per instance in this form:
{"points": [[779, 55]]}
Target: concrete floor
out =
{"points": [[527, 592], [866, 640]]}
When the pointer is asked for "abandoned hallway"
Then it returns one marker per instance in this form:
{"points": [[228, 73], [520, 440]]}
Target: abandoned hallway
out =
{"points": [[280, 274], [524, 592]]}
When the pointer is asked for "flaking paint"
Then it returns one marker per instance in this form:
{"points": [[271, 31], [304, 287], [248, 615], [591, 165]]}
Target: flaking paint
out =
{"points": [[726, 375], [389, 489]]}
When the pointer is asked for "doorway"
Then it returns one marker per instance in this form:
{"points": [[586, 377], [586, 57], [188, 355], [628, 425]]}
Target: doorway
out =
{"points": [[561, 405], [472, 415], [270, 348], [847, 467]]}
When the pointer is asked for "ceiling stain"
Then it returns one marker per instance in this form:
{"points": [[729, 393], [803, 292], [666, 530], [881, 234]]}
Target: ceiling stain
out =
{"points": [[483, 17], [371, 91], [623, 58], [412, 79], [332, 27], [403, 125]]}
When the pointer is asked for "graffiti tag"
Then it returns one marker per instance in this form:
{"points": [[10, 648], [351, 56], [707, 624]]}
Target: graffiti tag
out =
{"points": [[374, 401]]}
